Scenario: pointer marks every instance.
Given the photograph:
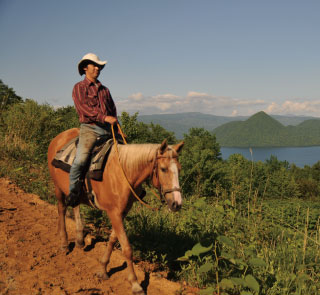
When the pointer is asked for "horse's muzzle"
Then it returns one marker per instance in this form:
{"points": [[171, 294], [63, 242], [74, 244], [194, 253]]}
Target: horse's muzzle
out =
{"points": [[174, 199], [174, 206]]}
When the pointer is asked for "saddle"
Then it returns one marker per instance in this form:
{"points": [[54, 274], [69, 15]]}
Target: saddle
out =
{"points": [[99, 156]]}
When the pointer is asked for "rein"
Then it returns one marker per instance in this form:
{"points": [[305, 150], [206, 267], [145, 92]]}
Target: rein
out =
{"points": [[132, 190]]}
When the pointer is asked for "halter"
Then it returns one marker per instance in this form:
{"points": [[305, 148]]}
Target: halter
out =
{"points": [[154, 177]]}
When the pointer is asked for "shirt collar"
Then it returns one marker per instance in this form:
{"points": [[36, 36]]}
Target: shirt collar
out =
{"points": [[88, 82]]}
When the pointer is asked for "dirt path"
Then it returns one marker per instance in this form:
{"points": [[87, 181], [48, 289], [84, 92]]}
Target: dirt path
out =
{"points": [[31, 261]]}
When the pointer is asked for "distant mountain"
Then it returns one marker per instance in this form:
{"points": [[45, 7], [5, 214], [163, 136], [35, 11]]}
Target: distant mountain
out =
{"points": [[261, 130], [291, 120], [182, 122]]}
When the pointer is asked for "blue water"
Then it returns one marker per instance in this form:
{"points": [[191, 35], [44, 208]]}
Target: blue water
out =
{"points": [[300, 156]]}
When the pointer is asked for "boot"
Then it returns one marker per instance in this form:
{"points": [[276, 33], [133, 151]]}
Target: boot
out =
{"points": [[73, 199]]}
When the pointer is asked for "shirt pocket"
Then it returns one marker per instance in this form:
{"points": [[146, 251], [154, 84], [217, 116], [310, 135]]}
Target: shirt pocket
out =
{"points": [[92, 100]]}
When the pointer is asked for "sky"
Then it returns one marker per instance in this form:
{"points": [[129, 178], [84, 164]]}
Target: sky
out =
{"points": [[228, 58]]}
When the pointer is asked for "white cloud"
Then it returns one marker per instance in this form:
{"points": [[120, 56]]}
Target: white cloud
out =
{"points": [[212, 104], [295, 108], [256, 102], [192, 94], [136, 96], [165, 97]]}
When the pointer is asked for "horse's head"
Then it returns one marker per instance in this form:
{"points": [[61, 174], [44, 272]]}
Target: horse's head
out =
{"points": [[166, 174]]}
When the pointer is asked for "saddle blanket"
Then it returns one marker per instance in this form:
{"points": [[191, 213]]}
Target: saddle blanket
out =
{"points": [[65, 157]]}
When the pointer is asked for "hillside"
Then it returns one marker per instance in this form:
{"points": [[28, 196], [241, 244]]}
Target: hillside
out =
{"points": [[261, 130], [182, 122]]}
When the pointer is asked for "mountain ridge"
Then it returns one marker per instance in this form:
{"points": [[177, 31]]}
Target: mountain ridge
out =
{"points": [[180, 123]]}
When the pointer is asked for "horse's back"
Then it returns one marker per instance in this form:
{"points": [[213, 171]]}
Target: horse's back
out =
{"points": [[57, 143], [60, 140]]}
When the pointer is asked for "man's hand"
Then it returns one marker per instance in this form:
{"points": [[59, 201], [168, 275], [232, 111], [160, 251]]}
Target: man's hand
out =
{"points": [[111, 120]]}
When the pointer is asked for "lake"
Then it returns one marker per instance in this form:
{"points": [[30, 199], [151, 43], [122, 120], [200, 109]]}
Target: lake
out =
{"points": [[300, 156]]}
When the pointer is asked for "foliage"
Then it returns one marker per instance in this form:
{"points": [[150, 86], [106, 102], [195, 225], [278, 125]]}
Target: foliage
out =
{"points": [[7, 96], [251, 255], [29, 127], [200, 159]]}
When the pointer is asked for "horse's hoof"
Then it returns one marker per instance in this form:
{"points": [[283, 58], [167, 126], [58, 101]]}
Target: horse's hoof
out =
{"points": [[137, 289], [102, 275]]}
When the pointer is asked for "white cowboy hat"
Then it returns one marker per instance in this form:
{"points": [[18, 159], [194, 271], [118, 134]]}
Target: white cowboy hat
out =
{"points": [[90, 57]]}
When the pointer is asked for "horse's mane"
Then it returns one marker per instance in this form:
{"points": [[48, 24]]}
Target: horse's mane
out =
{"points": [[134, 157]]}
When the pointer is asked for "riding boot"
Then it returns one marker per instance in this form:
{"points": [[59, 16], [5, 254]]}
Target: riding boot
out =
{"points": [[73, 199]]}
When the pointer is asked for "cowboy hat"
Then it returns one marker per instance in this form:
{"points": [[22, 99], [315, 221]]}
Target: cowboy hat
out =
{"points": [[90, 57]]}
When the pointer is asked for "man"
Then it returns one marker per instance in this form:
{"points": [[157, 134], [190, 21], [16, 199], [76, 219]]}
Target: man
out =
{"points": [[97, 112]]}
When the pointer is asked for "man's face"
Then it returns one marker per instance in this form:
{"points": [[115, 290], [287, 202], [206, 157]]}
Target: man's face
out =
{"points": [[92, 71]]}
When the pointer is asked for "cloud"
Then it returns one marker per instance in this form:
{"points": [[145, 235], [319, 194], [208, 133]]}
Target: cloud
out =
{"points": [[168, 96], [193, 94], [295, 107], [212, 104], [234, 113], [136, 96], [256, 102], [163, 106]]}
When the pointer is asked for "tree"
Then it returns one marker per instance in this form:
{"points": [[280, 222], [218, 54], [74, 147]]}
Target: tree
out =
{"points": [[200, 159], [7, 96]]}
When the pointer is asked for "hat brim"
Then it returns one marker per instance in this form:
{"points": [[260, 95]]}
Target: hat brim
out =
{"points": [[85, 62]]}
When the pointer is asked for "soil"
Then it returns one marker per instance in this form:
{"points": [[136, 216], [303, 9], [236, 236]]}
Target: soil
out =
{"points": [[31, 261]]}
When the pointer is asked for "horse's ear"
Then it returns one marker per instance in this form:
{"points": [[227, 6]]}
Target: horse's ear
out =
{"points": [[163, 146], [178, 147]]}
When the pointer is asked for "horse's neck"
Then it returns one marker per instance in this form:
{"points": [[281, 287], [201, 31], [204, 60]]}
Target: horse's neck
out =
{"points": [[137, 160]]}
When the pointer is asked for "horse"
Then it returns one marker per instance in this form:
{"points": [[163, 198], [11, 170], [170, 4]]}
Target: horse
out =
{"points": [[139, 162]]}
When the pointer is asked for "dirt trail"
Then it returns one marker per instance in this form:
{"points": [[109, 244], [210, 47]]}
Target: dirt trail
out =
{"points": [[31, 261]]}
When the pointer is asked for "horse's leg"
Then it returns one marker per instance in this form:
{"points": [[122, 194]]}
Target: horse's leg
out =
{"points": [[117, 223], [62, 208], [104, 261], [79, 227]]}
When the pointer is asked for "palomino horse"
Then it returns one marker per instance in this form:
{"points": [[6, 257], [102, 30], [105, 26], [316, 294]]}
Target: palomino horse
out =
{"points": [[113, 195]]}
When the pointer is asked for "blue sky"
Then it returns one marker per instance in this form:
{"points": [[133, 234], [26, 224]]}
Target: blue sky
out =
{"points": [[230, 58]]}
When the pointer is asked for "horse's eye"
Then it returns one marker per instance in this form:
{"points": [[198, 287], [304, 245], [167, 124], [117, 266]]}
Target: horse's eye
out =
{"points": [[164, 170]]}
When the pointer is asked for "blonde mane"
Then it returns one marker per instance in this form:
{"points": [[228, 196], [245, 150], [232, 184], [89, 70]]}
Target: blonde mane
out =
{"points": [[134, 157]]}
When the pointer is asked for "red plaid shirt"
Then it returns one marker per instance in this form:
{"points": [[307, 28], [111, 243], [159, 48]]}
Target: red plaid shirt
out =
{"points": [[93, 103]]}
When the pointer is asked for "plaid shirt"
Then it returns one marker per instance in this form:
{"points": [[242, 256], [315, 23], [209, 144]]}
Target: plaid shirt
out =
{"points": [[93, 102]]}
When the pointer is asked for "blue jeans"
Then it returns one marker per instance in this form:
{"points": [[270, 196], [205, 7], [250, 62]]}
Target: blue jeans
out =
{"points": [[87, 138]]}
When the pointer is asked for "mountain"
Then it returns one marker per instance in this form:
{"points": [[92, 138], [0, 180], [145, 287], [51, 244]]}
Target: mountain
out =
{"points": [[182, 122], [261, 130], [291, 119]]}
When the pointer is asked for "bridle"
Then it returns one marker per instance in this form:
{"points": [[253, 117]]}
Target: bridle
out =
{"points": [[154, 176]]}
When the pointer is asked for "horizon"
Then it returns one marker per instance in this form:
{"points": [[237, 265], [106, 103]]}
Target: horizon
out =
{"points": [[282, 115], [219, 58]]}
